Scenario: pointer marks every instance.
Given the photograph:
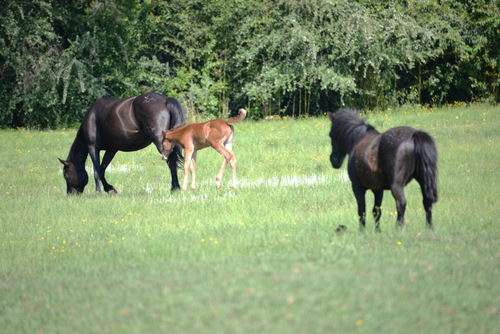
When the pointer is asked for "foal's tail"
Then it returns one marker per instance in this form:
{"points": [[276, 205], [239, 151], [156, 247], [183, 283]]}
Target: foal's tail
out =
{"points": [[426, 164], [238, 118]]}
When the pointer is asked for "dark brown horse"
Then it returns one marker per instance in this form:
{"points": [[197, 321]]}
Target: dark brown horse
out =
{"points": [[380, 161], [113, 125]]}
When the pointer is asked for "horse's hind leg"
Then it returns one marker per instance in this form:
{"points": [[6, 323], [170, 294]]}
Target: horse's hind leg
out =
{"points": [[228, 158], [427, 204], [232, 162], [377, 208], [193, 170], [399, 195], [428, 207]]}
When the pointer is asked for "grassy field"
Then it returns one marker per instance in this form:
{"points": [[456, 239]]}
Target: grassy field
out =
{"points": [[261, 259]]}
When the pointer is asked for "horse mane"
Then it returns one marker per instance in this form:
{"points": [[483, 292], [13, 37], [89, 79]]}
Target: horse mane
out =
{"points": [[348, 129], [178, 126], [79, 151]]}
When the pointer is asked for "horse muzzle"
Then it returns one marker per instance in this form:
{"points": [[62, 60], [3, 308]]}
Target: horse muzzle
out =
{"points": [[164, 157], [336, 161]]}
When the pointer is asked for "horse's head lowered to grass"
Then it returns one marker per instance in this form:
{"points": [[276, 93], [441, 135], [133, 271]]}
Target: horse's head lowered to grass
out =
{"points": [[76, 178]]}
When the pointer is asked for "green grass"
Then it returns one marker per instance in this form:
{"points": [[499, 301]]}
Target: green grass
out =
{"points": [[262, 259]]}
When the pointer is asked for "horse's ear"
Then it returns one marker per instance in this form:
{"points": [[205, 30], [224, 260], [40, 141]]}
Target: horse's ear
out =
{"points": [[64, 162], [163, 133], [330, 116]]}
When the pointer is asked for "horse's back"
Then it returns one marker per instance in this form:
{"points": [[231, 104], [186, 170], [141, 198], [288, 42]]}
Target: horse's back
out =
{"points": [[155, 109], [396, 136], [397, 154], [132, 123], [149, 108], [101, 104]]}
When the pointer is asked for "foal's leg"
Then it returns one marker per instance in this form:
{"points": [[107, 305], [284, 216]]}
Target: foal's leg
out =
{"points": [[228, 156], [188, 155], [377, 208], [232, 162], [193, 170], [399, 195]]}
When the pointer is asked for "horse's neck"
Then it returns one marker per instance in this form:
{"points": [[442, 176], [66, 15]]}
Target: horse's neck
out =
{"points": [[175, 136], [357, 137], [79, 150]]}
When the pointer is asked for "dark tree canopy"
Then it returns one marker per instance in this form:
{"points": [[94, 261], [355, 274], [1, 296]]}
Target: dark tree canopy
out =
{"points": [[272, 57]]}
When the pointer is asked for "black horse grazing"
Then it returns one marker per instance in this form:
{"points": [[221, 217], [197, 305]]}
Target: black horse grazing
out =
{"points": [[388, 160], [113, 125]]}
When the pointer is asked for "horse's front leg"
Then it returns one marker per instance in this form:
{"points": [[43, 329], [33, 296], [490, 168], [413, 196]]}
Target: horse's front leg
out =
{"points": [[188, 155], [359, 193], [399, 195], [94, 156], [108, 156], [377, 208]]}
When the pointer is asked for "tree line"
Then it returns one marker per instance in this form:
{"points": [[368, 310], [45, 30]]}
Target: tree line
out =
{"points": [[274, 57]]}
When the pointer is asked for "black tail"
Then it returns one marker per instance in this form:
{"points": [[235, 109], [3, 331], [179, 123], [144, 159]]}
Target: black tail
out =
{"points": [[177, 117], [426, 164], [175, 158]]}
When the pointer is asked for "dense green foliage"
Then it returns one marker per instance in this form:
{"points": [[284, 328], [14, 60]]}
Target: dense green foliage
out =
{"points": [[263, 259], [274, 57]]}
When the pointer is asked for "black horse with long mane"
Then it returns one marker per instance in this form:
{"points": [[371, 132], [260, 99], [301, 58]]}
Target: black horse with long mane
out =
{"points": [[380, 161], [113, 125]]}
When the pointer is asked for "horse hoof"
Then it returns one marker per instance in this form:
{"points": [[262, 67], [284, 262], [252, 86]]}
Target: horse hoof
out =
{"points": [[112, 192]]}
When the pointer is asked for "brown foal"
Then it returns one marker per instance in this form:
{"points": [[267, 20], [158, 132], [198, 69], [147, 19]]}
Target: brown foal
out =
{"points": [[217, 133]]}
